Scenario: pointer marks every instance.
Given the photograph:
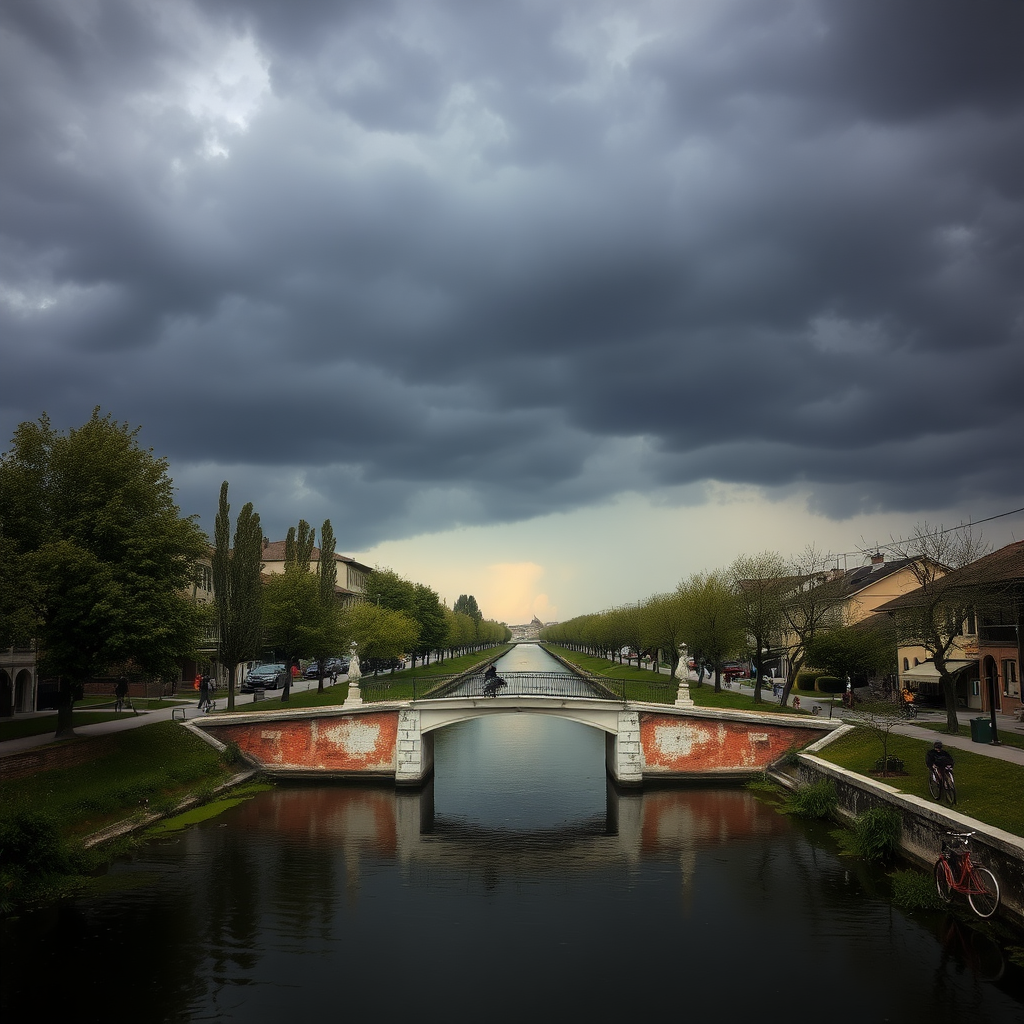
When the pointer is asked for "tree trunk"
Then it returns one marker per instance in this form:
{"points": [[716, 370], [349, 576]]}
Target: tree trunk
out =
{"points": [[231, 670], [65, 709], [949, 692]]}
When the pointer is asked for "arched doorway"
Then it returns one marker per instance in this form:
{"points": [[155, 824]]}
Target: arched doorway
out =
{"points": [[24, 691]]}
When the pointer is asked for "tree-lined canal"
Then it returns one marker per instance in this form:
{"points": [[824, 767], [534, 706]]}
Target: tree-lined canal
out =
{"points": [[518, 886]]}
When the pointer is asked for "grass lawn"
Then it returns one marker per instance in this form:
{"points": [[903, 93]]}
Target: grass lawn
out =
{"points": [[386, 686], [644, 685], [1011, 739], [987, 789], [152, 767]]}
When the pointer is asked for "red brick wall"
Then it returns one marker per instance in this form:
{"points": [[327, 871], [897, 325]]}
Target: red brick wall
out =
{"points": [[346, 743], [672, 744]]}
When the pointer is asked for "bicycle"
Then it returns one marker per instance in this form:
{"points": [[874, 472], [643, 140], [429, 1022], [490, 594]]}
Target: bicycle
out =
{"points": [[941, 784], [956, 872]]}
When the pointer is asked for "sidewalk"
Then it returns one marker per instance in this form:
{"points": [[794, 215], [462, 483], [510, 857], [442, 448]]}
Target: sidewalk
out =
{"points": [[129, 720], [1005, 724]]}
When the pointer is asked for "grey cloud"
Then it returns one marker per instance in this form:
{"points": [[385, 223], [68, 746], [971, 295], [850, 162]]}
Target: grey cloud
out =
{"points": [[462, 266]]}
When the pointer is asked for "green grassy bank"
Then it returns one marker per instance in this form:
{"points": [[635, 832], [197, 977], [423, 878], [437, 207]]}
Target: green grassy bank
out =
{"points": [[45, 817], [643, 685], [987, 789]]}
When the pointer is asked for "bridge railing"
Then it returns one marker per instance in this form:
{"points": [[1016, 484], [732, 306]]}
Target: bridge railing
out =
{"points": [[658, 690]]}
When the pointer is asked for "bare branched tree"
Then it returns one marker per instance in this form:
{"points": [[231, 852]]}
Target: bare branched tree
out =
{"points": [[934, 616]]}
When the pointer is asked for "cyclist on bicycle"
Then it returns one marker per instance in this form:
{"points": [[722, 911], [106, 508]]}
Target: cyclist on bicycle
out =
{"points": [[938, 759]]}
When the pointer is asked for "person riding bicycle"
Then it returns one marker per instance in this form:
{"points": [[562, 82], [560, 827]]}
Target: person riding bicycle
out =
{"points": [[938, 759]]}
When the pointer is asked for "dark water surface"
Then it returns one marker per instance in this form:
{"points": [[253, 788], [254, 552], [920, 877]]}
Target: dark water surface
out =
{"points": [[518, 887]]}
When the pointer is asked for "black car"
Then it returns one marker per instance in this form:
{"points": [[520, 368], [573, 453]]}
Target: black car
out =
{"points": [[264, 677], [332, 664]]}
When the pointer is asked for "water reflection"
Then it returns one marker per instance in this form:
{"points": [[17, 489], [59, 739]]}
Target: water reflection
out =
{"points": [[519, 886]]}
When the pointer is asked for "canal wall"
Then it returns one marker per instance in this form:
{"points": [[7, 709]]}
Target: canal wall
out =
{"points": [[925, 825]]}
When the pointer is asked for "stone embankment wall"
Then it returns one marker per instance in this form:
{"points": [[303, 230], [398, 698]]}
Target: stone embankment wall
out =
{"points": [[69, 754], [925, 825]]}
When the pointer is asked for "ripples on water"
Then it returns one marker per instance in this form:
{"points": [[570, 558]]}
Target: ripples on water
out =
{"points": [[518, 887]]}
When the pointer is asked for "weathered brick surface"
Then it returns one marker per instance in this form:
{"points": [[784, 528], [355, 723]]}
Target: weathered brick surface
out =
{"points": [[674, 744], [63, 755], [346, 743]]}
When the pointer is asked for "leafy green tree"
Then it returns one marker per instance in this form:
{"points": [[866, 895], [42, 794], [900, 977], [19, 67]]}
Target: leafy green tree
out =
{"points": [[332, 638], [762, 582], [386, 588], [380, 634], [104, 557], [713, 627], [854, 650], [665, 616], [296, 621], [466, 605], [431, 619], [237, 587]]}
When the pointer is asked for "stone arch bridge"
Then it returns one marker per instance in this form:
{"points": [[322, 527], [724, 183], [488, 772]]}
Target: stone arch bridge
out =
{"points": [[394, 740]]}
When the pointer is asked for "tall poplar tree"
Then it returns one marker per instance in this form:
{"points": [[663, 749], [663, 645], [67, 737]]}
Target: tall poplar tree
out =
{"points": [[237, 587], [330, 640]]}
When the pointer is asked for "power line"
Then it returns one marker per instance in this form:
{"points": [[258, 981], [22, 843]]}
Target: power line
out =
{"points": [[949, 529]]}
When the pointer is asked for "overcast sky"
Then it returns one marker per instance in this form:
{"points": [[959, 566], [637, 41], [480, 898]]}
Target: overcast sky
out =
{"points": [[549, 302]]}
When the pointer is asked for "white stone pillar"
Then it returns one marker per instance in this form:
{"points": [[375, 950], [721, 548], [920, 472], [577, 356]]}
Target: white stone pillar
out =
{"points": [[413, 754], [623, 751]]}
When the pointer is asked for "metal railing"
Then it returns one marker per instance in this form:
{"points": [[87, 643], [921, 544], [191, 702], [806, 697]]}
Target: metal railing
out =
{"points": [[657, 690]]}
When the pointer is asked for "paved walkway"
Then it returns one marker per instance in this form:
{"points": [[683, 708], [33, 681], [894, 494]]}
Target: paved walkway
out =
{"points": [[128, 720], [1005, 724]]}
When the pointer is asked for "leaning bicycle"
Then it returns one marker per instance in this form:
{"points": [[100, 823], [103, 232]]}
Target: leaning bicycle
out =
{"points": [[941, 783], [956, 872]]}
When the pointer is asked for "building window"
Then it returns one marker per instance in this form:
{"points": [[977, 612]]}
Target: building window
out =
{"points": [[972, 625], [1011, 687], [916, 663], [906, 665], [205, 577]]}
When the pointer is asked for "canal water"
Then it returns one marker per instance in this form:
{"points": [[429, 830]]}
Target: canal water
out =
{"points": [[519, 886]]}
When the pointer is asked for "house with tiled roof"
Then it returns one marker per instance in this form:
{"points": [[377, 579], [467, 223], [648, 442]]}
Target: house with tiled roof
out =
{"points": [[351, 581], [985, 655]]}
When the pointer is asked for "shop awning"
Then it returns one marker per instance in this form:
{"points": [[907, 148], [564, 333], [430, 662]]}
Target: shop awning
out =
{"points": [[928, 673]]}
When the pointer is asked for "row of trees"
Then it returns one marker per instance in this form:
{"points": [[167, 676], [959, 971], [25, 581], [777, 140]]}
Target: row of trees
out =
{"points": [[98, 568], [767, 608]]}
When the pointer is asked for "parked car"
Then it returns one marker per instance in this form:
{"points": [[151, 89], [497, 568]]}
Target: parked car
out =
{"points": [[265, 677], [330, 665], [735, 670]]}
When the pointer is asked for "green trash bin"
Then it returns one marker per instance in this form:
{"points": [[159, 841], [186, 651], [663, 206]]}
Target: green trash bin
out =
{"points": [[981, 730]]}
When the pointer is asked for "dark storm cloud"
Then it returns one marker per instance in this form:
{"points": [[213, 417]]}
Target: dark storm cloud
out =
{"points": [[441, 263]]}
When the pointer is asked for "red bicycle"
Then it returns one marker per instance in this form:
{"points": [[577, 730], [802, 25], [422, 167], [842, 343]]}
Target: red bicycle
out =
{"points": [[956, 872]]}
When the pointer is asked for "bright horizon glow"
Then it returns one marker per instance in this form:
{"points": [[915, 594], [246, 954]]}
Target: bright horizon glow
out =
{"points": [[560, 566]]}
